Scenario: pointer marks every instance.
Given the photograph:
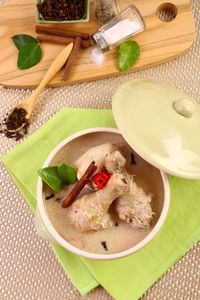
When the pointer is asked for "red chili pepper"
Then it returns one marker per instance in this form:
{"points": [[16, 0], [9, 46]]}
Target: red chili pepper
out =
{"points": [[100, 179]]}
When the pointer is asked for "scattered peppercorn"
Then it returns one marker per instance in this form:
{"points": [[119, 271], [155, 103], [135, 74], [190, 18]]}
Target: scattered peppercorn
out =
{"points": [[49, 197], [60, 10], [133, 162], [103, 243], [16, 119], [59, 200], [12, 122]]}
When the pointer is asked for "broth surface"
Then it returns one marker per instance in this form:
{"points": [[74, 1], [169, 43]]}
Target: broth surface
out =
{"points": [[122, 236]]}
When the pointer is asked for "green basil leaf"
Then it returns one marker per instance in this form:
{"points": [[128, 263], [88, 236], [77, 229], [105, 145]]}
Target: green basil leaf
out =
{"points": [[128, 54], [29, 55], [23, 39], [50, 176], [67, 174]]}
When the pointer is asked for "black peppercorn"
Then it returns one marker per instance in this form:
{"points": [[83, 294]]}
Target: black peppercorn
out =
{"points": [[14, 121], [62, 10]]}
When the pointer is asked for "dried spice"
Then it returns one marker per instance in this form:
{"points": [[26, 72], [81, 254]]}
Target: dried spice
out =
{"points": [[133, 162], [105, 10], [103, 243], [62, 36], [14, 121], [60, 10], [74, 53], [80, 184], [59, 200], [49, 197], [61, 32], [48, 38]]}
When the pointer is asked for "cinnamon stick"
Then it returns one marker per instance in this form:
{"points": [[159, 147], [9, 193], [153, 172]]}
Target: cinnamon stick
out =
{"points": [[71, 58], [80, 184], [87, 43], [61, 32], [55, 39]]}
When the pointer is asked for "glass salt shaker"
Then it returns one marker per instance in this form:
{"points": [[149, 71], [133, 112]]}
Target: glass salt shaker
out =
{"points": [[105, 10], [123, 26]]}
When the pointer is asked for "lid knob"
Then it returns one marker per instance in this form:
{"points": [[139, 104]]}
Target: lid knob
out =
{"points": [[184, 107]]}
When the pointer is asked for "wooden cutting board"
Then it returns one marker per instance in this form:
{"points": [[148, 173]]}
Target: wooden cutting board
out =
{"points": [[160, 42]]}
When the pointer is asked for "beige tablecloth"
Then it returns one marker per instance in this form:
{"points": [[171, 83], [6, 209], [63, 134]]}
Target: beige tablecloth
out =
{"points": [[28, 267]]}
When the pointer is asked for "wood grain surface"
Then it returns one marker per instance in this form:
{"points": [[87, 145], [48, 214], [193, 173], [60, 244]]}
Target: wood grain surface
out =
{"points": [[160, 42]]}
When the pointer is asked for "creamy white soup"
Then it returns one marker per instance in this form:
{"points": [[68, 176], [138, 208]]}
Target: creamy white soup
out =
{"points": [[121, 236]]}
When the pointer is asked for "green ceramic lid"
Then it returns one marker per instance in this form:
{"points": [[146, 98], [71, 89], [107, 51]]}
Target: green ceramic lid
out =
{"points": [[161, 124]]}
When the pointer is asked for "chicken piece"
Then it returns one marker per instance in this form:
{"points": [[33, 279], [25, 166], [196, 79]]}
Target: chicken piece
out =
{"points": [[115, 162], [90, 211], [134, 207], [96, 154]]}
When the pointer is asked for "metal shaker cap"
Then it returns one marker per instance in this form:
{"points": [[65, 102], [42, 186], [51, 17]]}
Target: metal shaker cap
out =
{"points": [[101, 42]]}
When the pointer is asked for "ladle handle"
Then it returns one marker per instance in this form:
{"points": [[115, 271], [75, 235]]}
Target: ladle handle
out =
{"points": [[52, 71]]}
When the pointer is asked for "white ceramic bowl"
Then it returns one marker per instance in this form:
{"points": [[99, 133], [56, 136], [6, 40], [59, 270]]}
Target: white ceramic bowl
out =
{"points": [[47, 230]]}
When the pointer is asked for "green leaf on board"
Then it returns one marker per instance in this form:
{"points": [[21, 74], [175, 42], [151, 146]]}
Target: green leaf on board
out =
{"points": [[128, 54], [22, 39], [29, 55]]}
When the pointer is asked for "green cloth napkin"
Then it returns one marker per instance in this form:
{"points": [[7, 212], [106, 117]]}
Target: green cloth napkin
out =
{"points": [[127, 278]]}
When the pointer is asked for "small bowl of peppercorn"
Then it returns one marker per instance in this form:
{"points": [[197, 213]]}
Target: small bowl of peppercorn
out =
{"points": [[62, 11]]}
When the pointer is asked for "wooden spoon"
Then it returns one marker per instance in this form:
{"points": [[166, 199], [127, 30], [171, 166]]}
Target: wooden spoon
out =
{"points": [[28, 103]]}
